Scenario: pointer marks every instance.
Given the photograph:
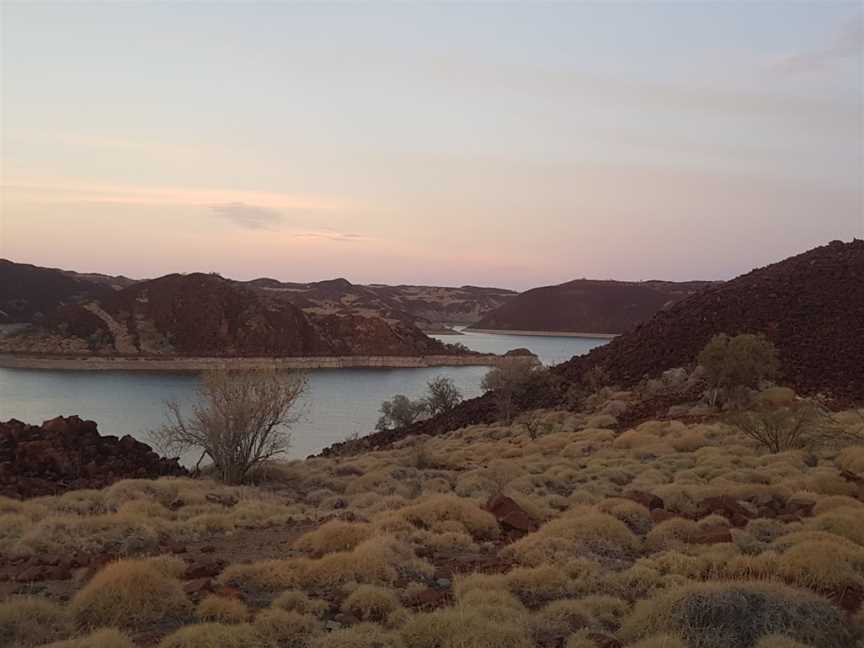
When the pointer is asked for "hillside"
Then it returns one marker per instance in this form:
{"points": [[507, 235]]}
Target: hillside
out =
{"points": [[811, 306], [587, 306], [425, 306], [29, 293], [206, 315]]}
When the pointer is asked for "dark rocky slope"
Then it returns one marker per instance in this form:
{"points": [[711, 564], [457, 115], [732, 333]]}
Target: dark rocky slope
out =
{"points": [[29, 293], [587, 306], [811, 306], [69, 453], [207, 315]]}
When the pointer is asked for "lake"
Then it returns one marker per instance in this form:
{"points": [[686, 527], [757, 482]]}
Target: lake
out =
{"points": [[339, 402]]}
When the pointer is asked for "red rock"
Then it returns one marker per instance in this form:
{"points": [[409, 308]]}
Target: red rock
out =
{"points": [[205, 570], [648, 500], [68, 453], [198, 586], [713, 536], [510, 515], [661, 515], [429, 598], [603, 640]]}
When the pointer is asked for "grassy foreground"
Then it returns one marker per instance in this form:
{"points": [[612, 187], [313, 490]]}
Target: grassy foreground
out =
{"points": [[671, 534]]}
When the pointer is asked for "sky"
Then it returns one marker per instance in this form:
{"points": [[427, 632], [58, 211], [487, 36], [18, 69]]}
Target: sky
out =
{"points": [[511, 145]]}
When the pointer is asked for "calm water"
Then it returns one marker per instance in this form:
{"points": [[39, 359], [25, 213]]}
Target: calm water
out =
{"points": [[339, 402]]}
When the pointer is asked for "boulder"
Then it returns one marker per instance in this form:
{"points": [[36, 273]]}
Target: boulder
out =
{"points": [[510, 515], [68, 453]]}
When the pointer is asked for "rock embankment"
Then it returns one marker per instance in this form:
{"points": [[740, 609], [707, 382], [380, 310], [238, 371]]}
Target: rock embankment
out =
{"points": [[68, 453]]}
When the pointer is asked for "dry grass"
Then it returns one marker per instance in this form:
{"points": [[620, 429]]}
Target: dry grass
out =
{"points": [[735, 615], [105, 638], [222, 610], [131, 594], [371, 603], [598, 562], [31, 622], [212, 635]]}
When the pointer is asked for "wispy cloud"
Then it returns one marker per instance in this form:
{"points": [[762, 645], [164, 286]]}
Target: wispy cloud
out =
{"points": [[248, 216], [847, 42], [342, 237]]}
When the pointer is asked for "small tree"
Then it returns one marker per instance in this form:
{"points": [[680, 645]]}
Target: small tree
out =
{"points": [[400, 412], [511, 380], [737, 363], [783, 428], [239, 419], [443, 395]]}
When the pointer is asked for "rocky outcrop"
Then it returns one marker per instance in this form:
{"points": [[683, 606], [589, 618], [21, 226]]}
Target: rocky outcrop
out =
{"points": [[29, 293], [587, 306], [68, 453], [205, 315], [811, 306]]}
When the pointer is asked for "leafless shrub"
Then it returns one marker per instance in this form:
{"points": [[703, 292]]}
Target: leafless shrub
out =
{"points": [[799, 425], [239, 419]]}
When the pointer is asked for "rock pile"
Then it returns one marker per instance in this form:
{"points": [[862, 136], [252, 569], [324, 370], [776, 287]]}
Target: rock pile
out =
{"points": [[67, 453]]}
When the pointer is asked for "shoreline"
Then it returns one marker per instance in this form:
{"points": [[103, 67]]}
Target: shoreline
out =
{"points": [[152, 363], [593, 336]]}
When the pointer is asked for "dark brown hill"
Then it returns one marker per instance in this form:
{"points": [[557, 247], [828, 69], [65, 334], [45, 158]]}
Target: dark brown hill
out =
{"points": [[811, 306], [206, 315], [29, 293], [587, 306]]}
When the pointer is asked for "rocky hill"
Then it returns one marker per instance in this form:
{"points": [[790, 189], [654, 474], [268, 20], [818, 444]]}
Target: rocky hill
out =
{"points": [[427, 307], [68, 453], [587, 306], [206, 315], [811, 306], [29, 293]]}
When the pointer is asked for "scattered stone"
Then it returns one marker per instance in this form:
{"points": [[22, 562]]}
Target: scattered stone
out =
{"points": [[332, 626], [510, 515], [68, 453], [648, 500], [205, 570], [428, 598], [198, 587], [225, 500], [443, 583]]}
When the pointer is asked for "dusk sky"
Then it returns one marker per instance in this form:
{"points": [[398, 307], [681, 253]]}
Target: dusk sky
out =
{"points": [[511, 145]]}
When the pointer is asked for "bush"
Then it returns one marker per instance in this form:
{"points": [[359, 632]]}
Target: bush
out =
{"points": [[105, 638], [737, 615], [573, 535], [130, 594], [212, 635], [558, 620], [362, 635], [466, 628], [284, 629], [240, 420], [511, 381], [400, 412], [735, 363], [31, 622], [783, 428], [298, 601], [371, 603], [222, 609], [443, 395], [333, 536]]}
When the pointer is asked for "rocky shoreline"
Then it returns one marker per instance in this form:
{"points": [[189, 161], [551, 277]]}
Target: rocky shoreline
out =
{"points": [[593, 336], [174, 363]]}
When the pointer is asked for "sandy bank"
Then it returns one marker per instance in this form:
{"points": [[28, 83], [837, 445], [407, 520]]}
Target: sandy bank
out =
{"points": [[120, 363], [599, 336]]}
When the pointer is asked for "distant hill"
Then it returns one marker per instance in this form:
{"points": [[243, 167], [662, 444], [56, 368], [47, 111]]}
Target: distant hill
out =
{"points": [[207, 315], [810, 305], [30, 293], [425, 306], [587, 306]]}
